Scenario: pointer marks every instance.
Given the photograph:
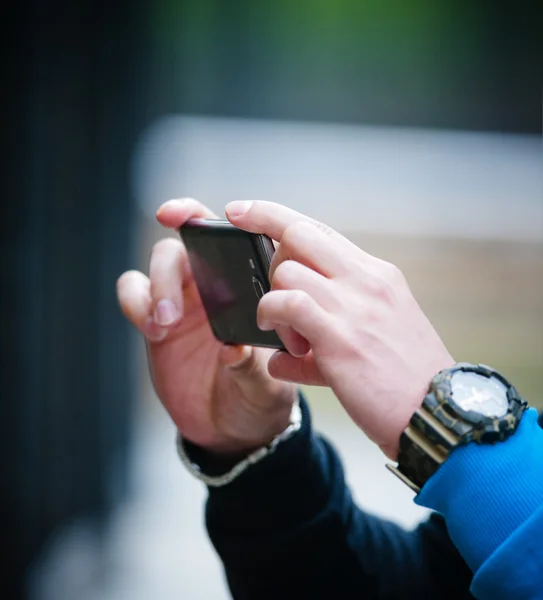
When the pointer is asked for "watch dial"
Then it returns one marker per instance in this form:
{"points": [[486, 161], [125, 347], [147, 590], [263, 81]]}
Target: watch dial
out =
{"points": [[483, 395]]}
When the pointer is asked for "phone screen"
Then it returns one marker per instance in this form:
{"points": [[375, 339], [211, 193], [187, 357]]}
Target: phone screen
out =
{"points": [[230, 267]]}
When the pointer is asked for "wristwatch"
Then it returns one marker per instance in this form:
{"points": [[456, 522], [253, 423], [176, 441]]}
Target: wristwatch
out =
{"points": [[465, 403]]}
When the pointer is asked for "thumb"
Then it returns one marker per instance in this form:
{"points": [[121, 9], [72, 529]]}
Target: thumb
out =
{"points": [[236, 357], [302, 370], [247, 364], [249, 368]]}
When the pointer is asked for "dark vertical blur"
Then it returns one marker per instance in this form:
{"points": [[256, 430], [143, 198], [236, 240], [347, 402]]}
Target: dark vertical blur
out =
{"points": [[73, 110]]}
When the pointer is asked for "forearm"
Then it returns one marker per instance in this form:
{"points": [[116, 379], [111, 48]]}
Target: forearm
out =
{"points": [[289, 528]]}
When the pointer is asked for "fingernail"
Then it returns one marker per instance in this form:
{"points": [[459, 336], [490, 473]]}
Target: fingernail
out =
{"points": [[265, 325], [175, 201], [238, 208], [166, 313], [153, 332]]}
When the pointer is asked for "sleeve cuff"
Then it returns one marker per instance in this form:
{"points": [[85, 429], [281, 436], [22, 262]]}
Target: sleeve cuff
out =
{"points": [[485, 492], [286, 488]]}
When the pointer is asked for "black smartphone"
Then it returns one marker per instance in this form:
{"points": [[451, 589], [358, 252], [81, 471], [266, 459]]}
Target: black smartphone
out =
{"points": [[230, 267]]}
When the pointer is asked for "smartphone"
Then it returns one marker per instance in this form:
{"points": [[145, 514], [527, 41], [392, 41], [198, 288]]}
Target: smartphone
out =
{"points": [[230, 268]]}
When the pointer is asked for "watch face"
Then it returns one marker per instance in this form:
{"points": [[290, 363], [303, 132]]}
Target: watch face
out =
{"points": [[486, 396]]}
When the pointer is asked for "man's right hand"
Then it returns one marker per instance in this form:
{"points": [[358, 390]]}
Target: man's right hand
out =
{"points": [[219, 397]]}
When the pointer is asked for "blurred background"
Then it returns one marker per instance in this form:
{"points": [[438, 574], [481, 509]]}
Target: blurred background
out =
{"points": [[412, 126]]}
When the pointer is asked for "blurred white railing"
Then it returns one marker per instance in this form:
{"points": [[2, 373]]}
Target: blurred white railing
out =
{"points": [[377, 179]]}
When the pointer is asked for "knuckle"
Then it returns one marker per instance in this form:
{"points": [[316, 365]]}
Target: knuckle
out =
{"points": [[284, 274], [393, 273], [291, 235], [279, 256], [373, 317], [380, 288], [300, 230], [266, 308], [385, 282], [323, 227], [297, 301]]}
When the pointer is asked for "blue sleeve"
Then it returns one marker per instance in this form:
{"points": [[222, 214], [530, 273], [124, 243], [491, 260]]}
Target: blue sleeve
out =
{"points": [[491, 497]]}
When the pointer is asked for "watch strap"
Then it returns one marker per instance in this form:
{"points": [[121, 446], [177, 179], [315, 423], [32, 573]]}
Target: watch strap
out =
{"points": [[424, 445]]}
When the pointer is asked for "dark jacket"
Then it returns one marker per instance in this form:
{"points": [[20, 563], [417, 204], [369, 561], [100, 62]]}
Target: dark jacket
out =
{"points": [[288, 528]]}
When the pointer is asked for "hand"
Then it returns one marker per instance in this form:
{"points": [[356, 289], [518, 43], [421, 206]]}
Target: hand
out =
{"points": [[220, 397], [358, 327]]}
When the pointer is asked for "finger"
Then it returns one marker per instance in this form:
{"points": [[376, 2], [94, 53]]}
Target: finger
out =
{"points": [[174, 213], [302, 370], [166, 268], [272, 219], [281, 254], [134, 296], [296, 309], [259, 216], [306, 240], [237, 357], [291, 275], [306, 244], [295, 344], [248, 365]]}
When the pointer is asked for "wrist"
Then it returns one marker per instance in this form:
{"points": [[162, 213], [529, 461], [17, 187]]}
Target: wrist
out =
{"points": [[220, 470], [411, 403], [250, 432]]}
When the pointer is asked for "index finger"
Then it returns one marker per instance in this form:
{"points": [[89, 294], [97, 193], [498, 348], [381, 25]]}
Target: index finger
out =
{"points": [[273, 220], [270, 218]]}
